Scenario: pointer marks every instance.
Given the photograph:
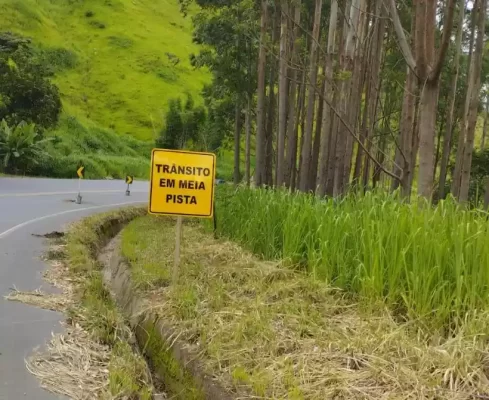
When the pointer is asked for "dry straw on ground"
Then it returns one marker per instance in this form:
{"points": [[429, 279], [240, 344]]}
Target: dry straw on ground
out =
{"points": [[72, 365], [269, 332]]}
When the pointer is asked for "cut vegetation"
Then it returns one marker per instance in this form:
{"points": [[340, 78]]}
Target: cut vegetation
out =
{"points": [[93, 357], [268, 331]]}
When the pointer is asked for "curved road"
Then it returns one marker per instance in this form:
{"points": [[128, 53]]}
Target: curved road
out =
{"points": [[38, 206]]}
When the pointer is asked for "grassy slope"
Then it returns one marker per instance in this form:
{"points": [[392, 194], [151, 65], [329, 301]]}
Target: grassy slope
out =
{"points": [[124, 76]]}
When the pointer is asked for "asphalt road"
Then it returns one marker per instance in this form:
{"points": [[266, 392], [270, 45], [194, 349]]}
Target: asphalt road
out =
{"points": [[38, 206]]}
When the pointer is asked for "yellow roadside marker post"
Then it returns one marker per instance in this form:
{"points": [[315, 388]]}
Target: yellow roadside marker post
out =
{"points": [[129, 181], [81, 174], [181, 184]]}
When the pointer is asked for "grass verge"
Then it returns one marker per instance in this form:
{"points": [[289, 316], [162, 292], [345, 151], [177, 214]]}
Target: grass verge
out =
{"points": [[98, 314], [267, 331], [93, 357]]}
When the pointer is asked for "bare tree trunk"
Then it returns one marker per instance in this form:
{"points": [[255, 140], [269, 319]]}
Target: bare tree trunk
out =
{"points": [[374, 94], [299, 121], [311, 185], [428, 71], [260, 111], [461, 137], [237, 141], [294, 111], [438, 142], [430, 90], [328, 96], [369, 71], [311, 100], [486, 193], [428, 105], [347, 66], [447, 138], [414, 146], [271, 104], [248, 140], [404, 149], [282, 94], [474, 101], [333, 162], [484, 130], [356, 89], [427, 126]]}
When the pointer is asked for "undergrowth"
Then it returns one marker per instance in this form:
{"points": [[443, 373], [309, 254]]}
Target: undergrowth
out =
{"points": [[264, 330], [95, 309], [427, 264]]}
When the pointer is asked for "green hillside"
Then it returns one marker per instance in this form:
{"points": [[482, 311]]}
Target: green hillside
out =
{"points": [[126, 58]]}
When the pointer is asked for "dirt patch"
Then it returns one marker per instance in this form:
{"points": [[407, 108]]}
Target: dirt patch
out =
{"points": [[51, 235]]}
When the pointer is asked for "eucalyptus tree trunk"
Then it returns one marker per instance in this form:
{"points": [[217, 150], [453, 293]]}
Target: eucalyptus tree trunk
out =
{"points": [[481, 7], [374, 65], [283, 87], [447, 137], [294, 111], [299, 122], [311, 100], [311, 185], [261, 99], [237, 141], [461, 137], [346, 67], [427, 68], [326, 124], [248, 140], [356, 88], [484, 130], [272, 101]]}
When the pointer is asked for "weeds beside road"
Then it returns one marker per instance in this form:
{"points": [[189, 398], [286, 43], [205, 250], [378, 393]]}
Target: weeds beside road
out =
{"points": [[268, 331]]}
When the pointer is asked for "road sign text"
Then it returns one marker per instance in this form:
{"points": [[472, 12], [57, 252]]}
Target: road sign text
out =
{"points": [[182, 183]]}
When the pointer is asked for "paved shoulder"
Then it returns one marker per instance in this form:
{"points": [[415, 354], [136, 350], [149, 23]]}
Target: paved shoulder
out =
{"points": [[36, 206]]}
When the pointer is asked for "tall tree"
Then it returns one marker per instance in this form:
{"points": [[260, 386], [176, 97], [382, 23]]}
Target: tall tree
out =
{"points": [[486, 123], [427, 68], [283, 88], [456, 175], [261, 99], [294, 103], [480, 7], [237, 141], [326, 125], [306, 151], [447, 138]]}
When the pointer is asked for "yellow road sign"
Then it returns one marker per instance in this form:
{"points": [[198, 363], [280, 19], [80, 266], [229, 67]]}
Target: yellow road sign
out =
{"points": [[81, 172], [129, 179], [182, 183]]}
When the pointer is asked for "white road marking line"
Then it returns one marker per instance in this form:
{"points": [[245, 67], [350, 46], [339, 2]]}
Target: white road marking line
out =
{"points": [[65, 193], [33, 221]]}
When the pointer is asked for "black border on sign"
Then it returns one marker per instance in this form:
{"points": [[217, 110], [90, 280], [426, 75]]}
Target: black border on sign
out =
{"points": [[212, 188]]}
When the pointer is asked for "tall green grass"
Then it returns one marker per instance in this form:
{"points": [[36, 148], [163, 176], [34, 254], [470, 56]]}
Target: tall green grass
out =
{"points": [[427, 264]]}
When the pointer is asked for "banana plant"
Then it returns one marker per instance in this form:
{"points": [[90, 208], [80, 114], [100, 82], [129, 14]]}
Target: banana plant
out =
{"points": [[21, 146]]}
